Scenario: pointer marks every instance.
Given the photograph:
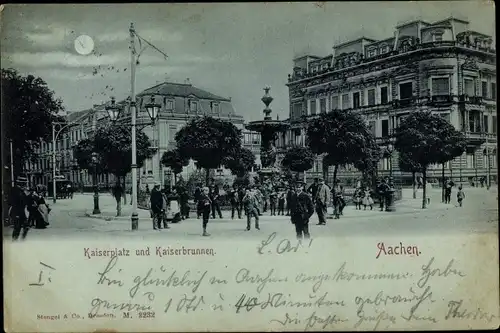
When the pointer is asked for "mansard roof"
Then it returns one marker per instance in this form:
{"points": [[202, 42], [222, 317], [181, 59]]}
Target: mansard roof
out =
{"points": [[180, 90]]}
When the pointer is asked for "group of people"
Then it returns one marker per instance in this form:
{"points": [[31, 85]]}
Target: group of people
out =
{"points": [[27, 209], [167, 205], [249, 201]]}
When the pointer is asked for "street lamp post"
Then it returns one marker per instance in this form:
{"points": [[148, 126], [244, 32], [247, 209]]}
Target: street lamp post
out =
{"points": [[95, 162], [152, 108], [390, 151], [55, 135]]}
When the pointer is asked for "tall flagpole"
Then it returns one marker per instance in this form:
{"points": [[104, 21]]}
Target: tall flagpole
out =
{"points": [[134, 217]]}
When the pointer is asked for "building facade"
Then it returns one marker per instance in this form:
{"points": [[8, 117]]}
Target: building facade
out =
{"points": [[178, 104], [442, 67]]}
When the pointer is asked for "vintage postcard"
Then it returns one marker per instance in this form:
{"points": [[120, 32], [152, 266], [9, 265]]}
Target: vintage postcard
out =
{"points": [[249, 167]]}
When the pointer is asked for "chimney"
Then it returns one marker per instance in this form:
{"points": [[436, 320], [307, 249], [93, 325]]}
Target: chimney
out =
{"points": [[96, 106], [187, 81]]}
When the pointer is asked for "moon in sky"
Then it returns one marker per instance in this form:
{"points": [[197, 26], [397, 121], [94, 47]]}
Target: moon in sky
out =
{"points": [[84, 44]]}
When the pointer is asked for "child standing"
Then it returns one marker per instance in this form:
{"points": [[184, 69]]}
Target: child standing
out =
{"points": [[460, 195], [367, 200]]}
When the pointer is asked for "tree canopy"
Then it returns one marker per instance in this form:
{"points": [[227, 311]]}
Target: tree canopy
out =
{"points": [[208, 141], [424, 138], [113, 144], [28, 109], [298, 159], [428, 139], [240, 163], [344, 139], [174, 161]]}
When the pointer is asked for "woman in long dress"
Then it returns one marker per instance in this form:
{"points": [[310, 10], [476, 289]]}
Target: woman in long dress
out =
{"points": [[41, 213], [428, 191]]}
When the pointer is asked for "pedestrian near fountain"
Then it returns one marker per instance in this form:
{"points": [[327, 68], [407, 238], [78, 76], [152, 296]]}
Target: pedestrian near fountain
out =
{"points": [[321, 201], [281, 202], [204, 207], [460, 196], [250, 202], [215, 198], [301, 211]]}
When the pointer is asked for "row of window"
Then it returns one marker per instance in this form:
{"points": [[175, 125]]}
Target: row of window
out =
{"points": [[472, 122], [439, 86], [193, 106]]}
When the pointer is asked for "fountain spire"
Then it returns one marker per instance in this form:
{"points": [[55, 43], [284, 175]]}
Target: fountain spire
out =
{"points": [[267, 99]]}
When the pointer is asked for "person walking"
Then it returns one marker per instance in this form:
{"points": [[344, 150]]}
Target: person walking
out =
{"points": [[301, 211], [214, 198], [447, 193], [18, 202], [460, 196], [259, 199], [313, 189], [204, 206], [321, 200], [165, 209], [156, 204], [281, 202], [273, 198], [251, 203], [234, 199], [289, 195], [428, 190]]}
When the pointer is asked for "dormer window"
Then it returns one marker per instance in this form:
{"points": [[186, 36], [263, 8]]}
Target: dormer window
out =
{"points": [[215, 107], [384, 49], [169, 104], [372, 52], [437, 37], [193, 106]]}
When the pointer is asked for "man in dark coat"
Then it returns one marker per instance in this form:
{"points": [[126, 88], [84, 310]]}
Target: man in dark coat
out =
{"points": [[235, 203], [18, 202], [381, 193], [214, 197], [302, 209], [203, 206], [313, 189], [156, 199], [289, 195]]}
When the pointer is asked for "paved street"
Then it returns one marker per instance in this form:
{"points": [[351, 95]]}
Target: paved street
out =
{"points": [[72, 218]]}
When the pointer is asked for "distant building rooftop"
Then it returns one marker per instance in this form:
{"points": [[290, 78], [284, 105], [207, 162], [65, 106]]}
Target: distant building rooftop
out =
{"points": [[181, 90]]}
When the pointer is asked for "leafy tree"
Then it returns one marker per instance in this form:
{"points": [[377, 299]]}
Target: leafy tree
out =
{"points": [[343, 138], [240, 163], [298, 159], [174, 161], [208, 141], [408, 164], [28, 109], [428, 139], [369, 162], [113, 144], [454, 145]]}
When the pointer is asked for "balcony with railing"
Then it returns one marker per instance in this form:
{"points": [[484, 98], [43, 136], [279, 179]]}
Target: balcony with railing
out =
{"points": [[477, 100]]}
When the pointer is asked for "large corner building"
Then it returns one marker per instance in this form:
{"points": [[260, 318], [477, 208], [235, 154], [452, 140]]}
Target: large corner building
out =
{"points": [[443, 67]]}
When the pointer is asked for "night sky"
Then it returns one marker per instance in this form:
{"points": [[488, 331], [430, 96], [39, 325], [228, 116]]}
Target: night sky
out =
{"points": [[232, 50]]}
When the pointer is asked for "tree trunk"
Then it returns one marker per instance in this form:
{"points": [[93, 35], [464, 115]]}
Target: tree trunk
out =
{"points": [[124, 192], [175, 179], [207, 176], [118, 199], [414, 180], [424, 183], [442, 182], [335, 175], [325, 173]]}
